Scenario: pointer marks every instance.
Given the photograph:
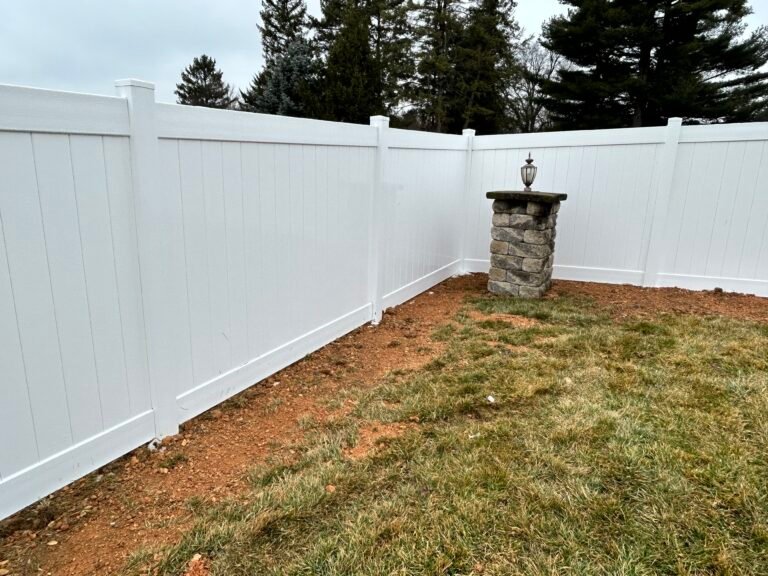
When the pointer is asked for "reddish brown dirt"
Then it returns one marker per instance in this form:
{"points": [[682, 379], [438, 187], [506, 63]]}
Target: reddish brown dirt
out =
{"points": [[142, 500], [623, 301], [371, 437], [511, 319]]}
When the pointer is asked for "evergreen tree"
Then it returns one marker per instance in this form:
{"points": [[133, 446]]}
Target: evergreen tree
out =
{"points": [[438, 29], [250, 98], [351, 83], [282, 23], [366, 46], [287, 54], [288, 89], [639, 62], [392, 44], [202, 85], [484, 67], [466, 63]]}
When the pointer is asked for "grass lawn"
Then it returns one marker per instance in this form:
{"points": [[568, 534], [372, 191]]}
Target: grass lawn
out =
{"points": [[612, 447]]}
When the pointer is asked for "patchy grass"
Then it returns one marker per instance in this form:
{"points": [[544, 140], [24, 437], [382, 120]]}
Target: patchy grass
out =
{"points": [[173, 460], [611, 448]]}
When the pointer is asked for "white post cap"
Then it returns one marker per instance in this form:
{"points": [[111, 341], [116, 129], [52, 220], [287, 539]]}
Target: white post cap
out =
{"points": [[135, 83]]}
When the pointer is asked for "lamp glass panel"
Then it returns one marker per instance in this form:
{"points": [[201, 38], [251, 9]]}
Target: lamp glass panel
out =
{"points": [[528, 173]]}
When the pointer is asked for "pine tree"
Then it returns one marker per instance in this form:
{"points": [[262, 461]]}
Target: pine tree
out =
{"points": [[202, 85], [438, 29], [289, 88], [484, 67], [282, 23], [466, 62], [351, 85], [391, 45], [285, 47], [366, 46], [250, 98], [639, 62]]}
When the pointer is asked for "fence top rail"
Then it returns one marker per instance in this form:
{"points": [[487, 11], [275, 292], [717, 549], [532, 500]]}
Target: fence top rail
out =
{"points": [[398, 138], [616, 136], [196, 123], [24, 109], [724, 132]]}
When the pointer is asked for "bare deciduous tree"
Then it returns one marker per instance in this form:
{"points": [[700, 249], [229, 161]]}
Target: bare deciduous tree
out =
{"points": [[526, 109]]}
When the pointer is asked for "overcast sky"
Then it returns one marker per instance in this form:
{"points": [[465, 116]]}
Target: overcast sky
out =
{"points": [[84, 45]]}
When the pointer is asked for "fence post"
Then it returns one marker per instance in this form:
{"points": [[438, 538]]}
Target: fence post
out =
{"points": [[378, 220], [466, 202], [154, 254], [663, 195]]}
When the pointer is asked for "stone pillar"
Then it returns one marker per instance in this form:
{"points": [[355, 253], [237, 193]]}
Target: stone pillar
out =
{"points": [[523, 242]]}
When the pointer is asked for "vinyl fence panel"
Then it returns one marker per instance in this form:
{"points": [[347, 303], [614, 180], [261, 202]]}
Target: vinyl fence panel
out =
{"points": [[648, 206], [75, 389]]}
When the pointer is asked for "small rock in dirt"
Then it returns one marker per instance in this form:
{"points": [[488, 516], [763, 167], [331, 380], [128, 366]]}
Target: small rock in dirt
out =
{"points": [[197, 566], [330, 488], [52, 543]]}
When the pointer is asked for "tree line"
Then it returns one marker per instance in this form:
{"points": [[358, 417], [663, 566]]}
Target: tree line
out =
{"points": [[446, 65]]}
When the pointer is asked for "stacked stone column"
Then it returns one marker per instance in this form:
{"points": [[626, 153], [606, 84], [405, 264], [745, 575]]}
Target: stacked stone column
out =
{"points": [[522, 245]]}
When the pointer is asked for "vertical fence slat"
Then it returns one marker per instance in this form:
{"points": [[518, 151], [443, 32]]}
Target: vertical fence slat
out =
{"points": [[71, 297], [16, 419], [123, 217]]}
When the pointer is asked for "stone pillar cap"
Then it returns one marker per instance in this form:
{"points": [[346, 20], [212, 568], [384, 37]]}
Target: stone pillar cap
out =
{"points": [[549, 197]]}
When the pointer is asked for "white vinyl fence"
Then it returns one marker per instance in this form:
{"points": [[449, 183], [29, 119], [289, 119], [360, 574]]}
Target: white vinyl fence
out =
{"points": [[157, 259], [670, 206]]}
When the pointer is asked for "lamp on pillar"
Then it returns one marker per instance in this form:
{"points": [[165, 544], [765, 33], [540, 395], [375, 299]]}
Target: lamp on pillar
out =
{"points": [[523, 238], [528, 172]]}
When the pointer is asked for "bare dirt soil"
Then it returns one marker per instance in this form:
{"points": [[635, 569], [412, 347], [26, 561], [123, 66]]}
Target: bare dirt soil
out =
{"points": [[623, 301], [143, 500]]}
